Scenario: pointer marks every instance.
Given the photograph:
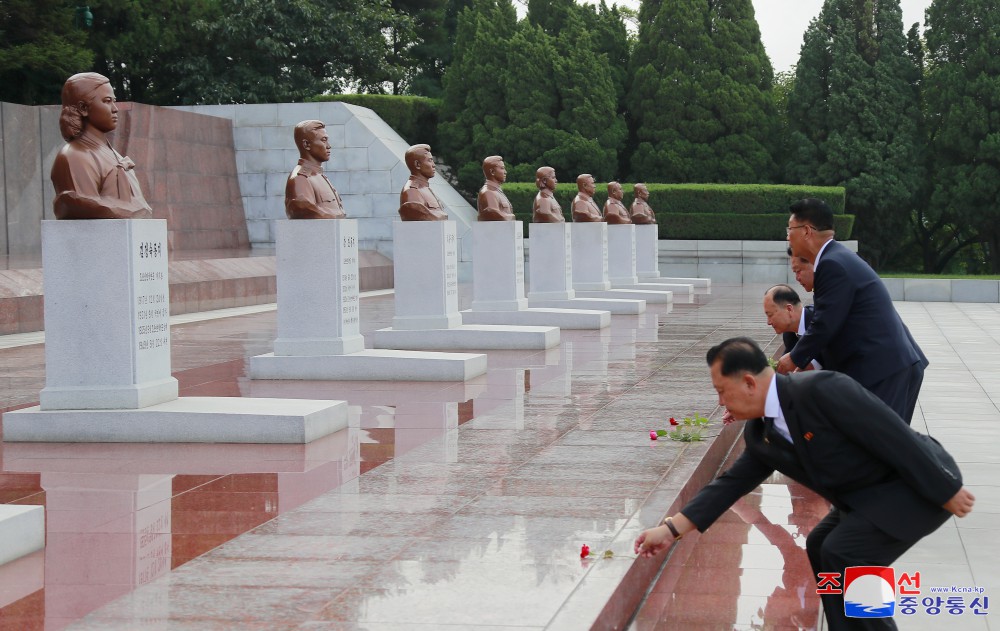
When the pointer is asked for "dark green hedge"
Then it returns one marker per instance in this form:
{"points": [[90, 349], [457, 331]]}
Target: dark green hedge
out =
{"points": [[751, 212], [727, 226], [415, 118]]}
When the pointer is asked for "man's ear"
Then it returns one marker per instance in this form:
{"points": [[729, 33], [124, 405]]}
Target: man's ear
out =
{"points": [[749, 381]]}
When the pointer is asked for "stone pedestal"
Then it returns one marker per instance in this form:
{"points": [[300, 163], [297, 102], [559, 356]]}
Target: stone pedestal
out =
{"points": [[107, 352], [319, 316], [318, 295], [647, 260], [621, 255], [498, 284], [622, 263], [425, 271], [590, 267], [498, 266], [426, 287], [590, 256], [551, 266], [22, 531], [107, 315], [647, 252]]}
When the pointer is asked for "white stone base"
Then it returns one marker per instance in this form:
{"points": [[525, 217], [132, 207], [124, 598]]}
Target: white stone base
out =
{"points": [[651, 297], [184, 420], [562, 318], [615, 306], [677, 288], [698, 283], [137, 395], [371, 365], [22, 531], [468, 337]]}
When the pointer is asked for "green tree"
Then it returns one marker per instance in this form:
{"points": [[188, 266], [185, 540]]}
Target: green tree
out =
{"points": [[267, 51], [551, 15], [474, 109], [532, 100], [854, 115], [700, 102], [593, 132], [962, 93], [40, 47], [142, 47], [430, 49]]}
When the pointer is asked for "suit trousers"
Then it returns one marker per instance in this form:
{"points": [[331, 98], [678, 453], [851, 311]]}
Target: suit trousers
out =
{"points": [[844, 539], [900, 389]]}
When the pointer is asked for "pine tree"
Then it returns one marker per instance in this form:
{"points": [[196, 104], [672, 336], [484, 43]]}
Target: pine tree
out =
{"points": [[592, 131], [532, 100], [474, 109], [962, 92], [854, 112], [700, 102]]}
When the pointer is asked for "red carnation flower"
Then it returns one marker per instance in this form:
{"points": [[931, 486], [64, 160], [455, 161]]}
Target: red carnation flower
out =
{"points": [[673, 421], [584, 551]]}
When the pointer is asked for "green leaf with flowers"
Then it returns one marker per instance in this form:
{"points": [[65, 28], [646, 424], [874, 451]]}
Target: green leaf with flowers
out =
{"points": [[690, 429]]}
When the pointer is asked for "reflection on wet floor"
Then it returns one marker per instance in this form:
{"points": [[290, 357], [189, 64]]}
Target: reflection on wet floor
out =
{"points": [[442, 504], [748, 571]]}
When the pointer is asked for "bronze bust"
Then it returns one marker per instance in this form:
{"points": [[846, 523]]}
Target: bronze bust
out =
{"points": [[546, 209], [308, 192], [642, 214], [91, 179], [417, 202], [614, 210], [493, 204], [584, 207]]}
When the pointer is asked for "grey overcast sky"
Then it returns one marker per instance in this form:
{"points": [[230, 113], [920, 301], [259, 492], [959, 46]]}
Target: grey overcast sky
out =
{"points": [[783, 22]]}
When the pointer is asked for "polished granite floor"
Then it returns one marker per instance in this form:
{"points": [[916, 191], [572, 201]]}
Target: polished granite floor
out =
{"points": [[452, 506]]}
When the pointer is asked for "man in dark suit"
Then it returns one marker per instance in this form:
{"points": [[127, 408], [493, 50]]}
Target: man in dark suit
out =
{"points": [[854, 323], [892, 486], [786, 314]]}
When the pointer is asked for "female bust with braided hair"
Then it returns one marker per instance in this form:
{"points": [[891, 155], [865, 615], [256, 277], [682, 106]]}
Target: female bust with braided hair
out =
{"points": [[91, 179]]}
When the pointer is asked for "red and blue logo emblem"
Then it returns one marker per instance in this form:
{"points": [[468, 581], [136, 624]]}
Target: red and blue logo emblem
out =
{"points": [[869, 592]]}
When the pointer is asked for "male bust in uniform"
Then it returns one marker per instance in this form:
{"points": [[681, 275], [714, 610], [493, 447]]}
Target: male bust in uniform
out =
{"points": [[417, 202], [546, 209], [584, 207], [493, 204], [308, 193], [614, 210], [642, 214]]}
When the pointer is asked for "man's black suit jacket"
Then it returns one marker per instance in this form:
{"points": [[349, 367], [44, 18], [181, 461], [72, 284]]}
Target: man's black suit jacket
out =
{"points": [[854, 324], [848, 446]]}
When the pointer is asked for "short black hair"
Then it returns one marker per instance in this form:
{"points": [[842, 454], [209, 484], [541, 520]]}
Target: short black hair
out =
{"points": [[814, 212], [738, 355], [784, 295]]}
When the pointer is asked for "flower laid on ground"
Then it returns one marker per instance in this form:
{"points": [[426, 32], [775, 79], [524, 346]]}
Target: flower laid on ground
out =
{"points": [[687, 430], [586, 553]]}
